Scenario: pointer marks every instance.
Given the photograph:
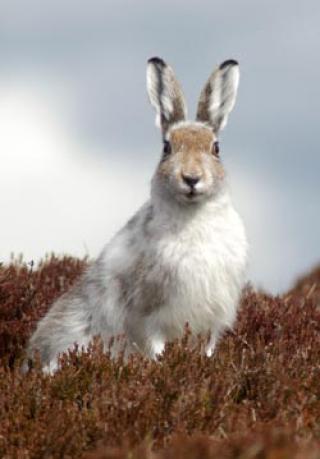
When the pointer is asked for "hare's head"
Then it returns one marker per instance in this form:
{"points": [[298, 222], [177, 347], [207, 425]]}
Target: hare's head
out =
{"points": [[190, 170]]}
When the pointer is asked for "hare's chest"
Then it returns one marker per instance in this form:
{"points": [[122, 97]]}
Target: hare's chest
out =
{"points": [[196, 263], [190, 294], [192, 267], [201, 251]]}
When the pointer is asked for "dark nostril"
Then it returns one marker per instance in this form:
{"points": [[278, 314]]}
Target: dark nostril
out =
{"points": [[190, 180]]}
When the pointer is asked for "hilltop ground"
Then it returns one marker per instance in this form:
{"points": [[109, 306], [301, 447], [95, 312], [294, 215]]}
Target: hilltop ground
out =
{"points": [[259, 397]]}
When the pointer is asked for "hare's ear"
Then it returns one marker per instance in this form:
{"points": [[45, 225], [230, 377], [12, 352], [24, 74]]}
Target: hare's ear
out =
{"points": [[165, 94], [218, 96]]}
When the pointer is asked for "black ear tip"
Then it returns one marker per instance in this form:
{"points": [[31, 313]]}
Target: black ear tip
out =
{"points": [[157, 61], [228, 63]]}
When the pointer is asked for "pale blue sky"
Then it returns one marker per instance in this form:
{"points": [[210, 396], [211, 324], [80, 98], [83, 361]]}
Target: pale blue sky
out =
{"points": [[78, 139]]}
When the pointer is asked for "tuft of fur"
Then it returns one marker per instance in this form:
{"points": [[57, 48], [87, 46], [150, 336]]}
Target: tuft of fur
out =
{"points": [[165, 94], [180, 259], [218, 96]]}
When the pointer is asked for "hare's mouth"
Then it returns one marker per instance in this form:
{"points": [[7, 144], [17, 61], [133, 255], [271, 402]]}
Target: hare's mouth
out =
{"points": [[193, 195], [192, 192]]}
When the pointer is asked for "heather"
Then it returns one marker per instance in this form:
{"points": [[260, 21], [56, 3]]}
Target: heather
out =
{"points": [[258, 397]]}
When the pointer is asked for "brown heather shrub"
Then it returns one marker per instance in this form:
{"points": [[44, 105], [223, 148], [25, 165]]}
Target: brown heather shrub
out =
{"points": [[26, 293], [259, 397]]}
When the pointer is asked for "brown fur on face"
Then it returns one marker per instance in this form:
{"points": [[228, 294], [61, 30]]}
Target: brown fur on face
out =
{"points": [[191, 155], [191, 139]]}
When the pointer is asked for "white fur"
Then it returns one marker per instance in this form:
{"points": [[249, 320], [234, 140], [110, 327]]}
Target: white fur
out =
{"points": [[175, 262]]}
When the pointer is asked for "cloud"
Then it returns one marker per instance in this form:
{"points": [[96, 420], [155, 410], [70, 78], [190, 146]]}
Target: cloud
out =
{"points": [[78, 124]]}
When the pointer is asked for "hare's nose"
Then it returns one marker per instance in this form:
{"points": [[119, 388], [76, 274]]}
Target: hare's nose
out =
{"points": [[191, 180]]}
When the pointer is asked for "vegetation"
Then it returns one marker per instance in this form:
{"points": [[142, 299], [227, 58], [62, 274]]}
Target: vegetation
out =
{"points": [[258, 397]]}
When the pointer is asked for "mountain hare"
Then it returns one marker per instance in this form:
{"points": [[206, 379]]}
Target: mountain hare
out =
{"points": [[182, 257]]}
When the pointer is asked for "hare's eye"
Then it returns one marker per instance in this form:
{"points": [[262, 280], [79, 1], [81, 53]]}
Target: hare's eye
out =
{"points": [[166, 148], [215, 148]]}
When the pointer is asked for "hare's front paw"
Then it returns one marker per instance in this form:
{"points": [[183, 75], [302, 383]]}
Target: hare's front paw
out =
{"points": [[51, 367], [157, 347], [211, 346]]}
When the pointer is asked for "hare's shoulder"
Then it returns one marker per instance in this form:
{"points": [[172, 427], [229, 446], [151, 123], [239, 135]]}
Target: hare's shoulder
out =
{"points": [[126, 246]]}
